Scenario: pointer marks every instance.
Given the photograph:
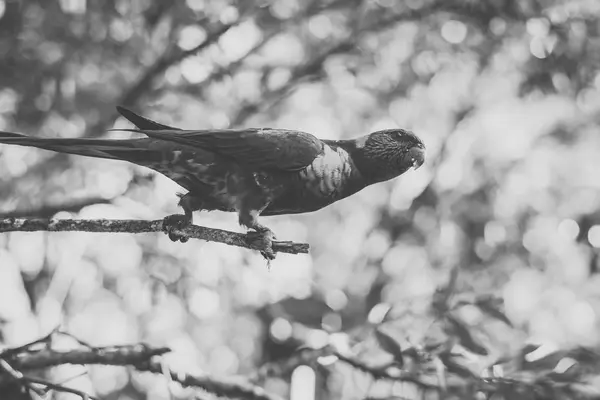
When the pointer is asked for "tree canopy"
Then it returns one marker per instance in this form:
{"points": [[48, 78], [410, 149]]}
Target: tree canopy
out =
{"points": [[476, 275]]}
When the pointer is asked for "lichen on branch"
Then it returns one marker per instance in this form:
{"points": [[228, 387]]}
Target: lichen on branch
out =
{"points": [[142, 226]]}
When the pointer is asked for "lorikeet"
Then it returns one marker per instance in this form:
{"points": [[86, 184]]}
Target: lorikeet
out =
{"points": [[254, 171]]}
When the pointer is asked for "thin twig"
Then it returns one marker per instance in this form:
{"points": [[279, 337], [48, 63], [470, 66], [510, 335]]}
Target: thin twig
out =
{"points": [[17, 376], [311, 356], [45, 340], [56, 387], [421, 380], [163, 63], [219, 73], [141, 226], [229, 70], [172, 56], [225, 387], [314, 66], [14, 360]]}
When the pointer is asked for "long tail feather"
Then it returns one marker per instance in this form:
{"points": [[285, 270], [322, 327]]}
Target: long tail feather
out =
{"points": [[99, 148], [133, 150], [143, 122]]}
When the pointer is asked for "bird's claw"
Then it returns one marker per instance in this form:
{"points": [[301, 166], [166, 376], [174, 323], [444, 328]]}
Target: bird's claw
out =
{"points": [[262, 239], [175, 222]]}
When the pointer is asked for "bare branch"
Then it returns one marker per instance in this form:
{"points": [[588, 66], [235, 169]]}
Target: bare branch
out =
{"points": [[47, 386], [220, 72], [112, 355], [137, 356], [17, 376], [130, 97], [311, 356], [226, 387], [172, 56], [314, 66], [423, 380], [141, 226], [313, 9]]}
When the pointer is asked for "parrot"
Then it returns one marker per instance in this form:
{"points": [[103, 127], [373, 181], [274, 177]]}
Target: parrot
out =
{"points": [[253, 171]]}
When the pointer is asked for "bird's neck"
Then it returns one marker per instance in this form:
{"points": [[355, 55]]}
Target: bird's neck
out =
{"points": [[364, 168]]}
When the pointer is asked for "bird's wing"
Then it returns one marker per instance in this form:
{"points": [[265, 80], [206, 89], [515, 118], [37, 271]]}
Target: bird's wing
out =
{"points": [[268, 149], [142, 122]]}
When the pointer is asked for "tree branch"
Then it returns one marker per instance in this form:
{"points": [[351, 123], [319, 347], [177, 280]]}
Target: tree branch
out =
{"points": [[47, 386], [141, 226], [224, 387], [139, 356], [112, 355], [314, 66], [14, 360], [314, 8], [129, 98], [311, 356]]}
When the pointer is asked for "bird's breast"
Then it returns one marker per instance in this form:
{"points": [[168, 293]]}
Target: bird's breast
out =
{"points": [[327, 179], [327, 175]]}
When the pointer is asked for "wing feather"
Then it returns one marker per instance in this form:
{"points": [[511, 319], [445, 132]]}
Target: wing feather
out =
{"points": [[269, 149]]}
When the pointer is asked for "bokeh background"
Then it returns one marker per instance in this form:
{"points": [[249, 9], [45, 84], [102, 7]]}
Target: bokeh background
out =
{"points": [[487, 255]]}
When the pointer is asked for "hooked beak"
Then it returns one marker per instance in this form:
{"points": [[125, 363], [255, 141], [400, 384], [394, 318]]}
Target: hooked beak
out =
{"points": [[417, 156]]}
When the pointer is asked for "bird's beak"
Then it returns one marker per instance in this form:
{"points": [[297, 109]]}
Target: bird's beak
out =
{"points": [[417, 156]]}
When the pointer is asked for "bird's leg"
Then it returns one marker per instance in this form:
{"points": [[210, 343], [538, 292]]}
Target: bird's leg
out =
{"points": [[189, 203], [262, 236]]}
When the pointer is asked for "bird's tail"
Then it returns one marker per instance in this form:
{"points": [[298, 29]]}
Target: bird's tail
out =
{"points": [[137, 151], [127, 149]]}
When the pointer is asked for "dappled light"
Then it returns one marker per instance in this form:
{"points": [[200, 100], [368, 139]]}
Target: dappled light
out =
{"points": [[481, 268]]}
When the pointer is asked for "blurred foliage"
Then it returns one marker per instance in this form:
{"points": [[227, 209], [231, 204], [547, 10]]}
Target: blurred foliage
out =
{"points": [[478, 273]]}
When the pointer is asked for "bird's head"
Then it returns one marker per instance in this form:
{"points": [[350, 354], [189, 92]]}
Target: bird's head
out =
{"points": [[389, 153]]}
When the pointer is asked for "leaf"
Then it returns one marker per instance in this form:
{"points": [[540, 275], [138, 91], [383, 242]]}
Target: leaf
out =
{"points": [[489, 306], [466, 339], [390, 345], [453, 366]]}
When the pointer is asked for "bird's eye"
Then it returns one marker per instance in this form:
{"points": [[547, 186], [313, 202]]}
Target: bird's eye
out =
{"points": [[399, 135]]}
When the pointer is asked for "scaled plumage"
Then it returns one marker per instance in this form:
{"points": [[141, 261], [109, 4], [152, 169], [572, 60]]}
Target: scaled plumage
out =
{"points": [[250, 171]]}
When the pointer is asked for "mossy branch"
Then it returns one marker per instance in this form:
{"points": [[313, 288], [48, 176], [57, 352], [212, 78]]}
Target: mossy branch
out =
{"points": [[142, 226]]}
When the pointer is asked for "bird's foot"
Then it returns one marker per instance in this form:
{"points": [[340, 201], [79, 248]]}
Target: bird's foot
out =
{"points": [[263, 239], [174, 222]]}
